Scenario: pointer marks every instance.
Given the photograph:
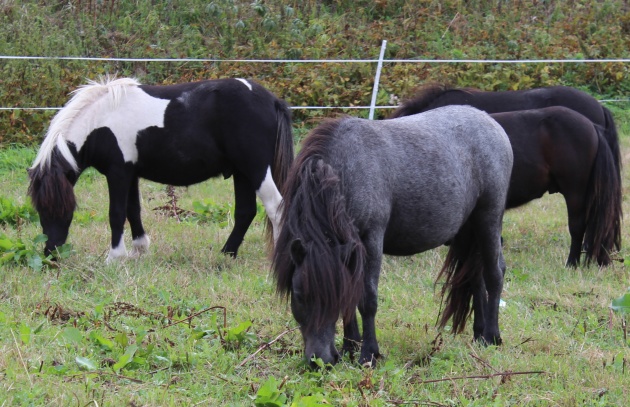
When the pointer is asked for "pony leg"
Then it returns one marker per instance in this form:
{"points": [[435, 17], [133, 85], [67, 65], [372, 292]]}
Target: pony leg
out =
{"points": [[491, 252], [351, 336], [244, 213], [480, 305], [576, 230], [141, 241], [369, 304], [118, 196], [271, 199]]}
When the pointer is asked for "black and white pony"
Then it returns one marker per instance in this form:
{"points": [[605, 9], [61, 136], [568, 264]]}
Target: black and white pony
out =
{"points": [[178, 135], [359, 189]]}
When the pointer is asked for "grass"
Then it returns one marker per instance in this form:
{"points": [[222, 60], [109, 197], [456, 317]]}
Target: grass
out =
{"points": [[87, 333]]}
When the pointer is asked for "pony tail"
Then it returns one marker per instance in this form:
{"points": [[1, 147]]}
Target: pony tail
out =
{"points": [[603, 208], [283, 155], [612, 138], [315, 216], [462, 271]]}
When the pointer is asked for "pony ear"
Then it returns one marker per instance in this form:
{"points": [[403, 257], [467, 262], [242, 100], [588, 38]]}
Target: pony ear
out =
{"points": [[298, 252]]}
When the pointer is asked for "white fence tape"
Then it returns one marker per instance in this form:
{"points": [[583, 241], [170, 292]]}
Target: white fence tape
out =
{"points": [[327, 61], [379, 63]]}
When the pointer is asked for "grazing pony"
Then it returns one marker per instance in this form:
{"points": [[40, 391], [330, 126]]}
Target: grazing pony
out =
{"points": [[359, 189], [178, 135], [436, 95]]}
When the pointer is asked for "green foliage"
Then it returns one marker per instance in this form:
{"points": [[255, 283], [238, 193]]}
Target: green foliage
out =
{"points": [[13, 214], [239, 335], [273, 29], [269, 395], [622, 304], [15, 158], [19, 252], [207, 210]]}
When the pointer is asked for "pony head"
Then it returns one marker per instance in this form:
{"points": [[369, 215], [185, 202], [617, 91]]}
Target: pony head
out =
{"points": [[52, 193], [319, 257]]}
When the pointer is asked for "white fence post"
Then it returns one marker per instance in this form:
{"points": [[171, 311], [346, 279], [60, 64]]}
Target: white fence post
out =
{"points": [[377, 78]]}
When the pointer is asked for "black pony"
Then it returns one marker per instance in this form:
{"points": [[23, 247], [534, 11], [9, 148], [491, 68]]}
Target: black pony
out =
{"points": [[555, 150], [179, 135], [361, 188]]}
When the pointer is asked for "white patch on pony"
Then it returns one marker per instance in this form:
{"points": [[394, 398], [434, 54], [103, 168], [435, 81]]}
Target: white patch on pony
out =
{"points": [[271, 199], [245, 82], [117, 252], [135, 112], [118, 104], [82, 97], [140, 246]]}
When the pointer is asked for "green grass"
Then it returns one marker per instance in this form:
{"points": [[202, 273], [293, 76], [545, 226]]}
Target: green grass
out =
{"points": [[87, 333]]}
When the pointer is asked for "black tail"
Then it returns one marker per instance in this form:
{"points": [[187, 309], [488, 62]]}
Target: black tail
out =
{"points": [[331, 254], [612, 138], [603, 206], [462, 273], [283, 156]]}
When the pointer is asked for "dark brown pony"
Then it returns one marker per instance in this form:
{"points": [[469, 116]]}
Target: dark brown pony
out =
{"points": [[556, 149], [437, 95]]}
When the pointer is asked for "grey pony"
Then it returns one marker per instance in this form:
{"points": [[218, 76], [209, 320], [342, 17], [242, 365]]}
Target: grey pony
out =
{"points": [[359, 189]]}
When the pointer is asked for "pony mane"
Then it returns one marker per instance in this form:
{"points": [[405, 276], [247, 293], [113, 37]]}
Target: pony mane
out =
{"points": [[424, 99], [314, 212], [82, 97]]}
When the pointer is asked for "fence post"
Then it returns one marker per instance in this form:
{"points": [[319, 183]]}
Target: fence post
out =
{"points": [[377, 78]]}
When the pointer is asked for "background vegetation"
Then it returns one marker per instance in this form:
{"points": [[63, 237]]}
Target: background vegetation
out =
{"points": [[306, 29], [186, 326]]}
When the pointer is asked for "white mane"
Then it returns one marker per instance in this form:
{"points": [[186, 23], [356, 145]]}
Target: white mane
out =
{"points": [[82, 97]]}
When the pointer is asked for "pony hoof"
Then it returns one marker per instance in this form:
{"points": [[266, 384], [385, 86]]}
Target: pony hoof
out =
{"points": [[140, 246], [229, 253], [493, 341], [370, 361]]}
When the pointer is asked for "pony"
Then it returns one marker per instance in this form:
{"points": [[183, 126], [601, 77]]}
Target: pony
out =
{"points": [[558, 150], [179, 135], [436, 95], [359, 189], [573, 150]]}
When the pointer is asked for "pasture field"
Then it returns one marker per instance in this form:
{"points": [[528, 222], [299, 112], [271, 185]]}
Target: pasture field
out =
{"points": [[186, 326]]}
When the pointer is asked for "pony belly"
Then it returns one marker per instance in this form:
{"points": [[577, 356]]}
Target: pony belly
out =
{"points": [[178, 178], [407, 241], [184, 171], [403, 246], [406, 236]]}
